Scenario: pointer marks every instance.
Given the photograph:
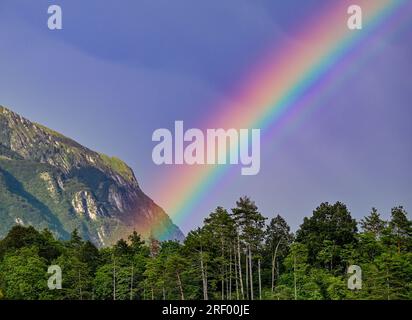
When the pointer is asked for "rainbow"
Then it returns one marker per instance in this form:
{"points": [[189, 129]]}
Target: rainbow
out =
{"points": [[278, 88]]}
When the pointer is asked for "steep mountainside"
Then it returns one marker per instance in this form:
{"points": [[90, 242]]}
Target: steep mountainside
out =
{"points": [[50, 181]]}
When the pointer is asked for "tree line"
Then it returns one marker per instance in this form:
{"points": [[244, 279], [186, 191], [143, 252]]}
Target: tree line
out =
{"points": [[234, 255]]}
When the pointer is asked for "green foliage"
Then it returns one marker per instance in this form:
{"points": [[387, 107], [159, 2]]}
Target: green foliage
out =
{"points": [[20, 237], [118, 166], [373, 223], [332, 226], [250, 222], [401, 229], [23, 274], [273, 264]]}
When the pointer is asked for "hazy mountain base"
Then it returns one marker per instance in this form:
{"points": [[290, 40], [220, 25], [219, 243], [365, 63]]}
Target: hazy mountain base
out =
{"points": [[50, 181]]}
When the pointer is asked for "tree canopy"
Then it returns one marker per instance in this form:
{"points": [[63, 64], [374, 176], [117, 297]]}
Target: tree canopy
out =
{"points": [[235, 254]]}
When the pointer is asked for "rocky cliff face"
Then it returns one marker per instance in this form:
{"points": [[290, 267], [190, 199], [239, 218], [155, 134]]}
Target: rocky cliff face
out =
{"points": [[50, 181]]}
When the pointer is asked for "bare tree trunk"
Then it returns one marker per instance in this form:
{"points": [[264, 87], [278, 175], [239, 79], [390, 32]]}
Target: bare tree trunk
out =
{"points": [[179, 282], [223, 289], [204, 281], [294, 276], [230, 273], [114, 278], [163, 286], [131, 284], [273, 266], [223, 270], [272, 286], [236, 276], [226, 282], [251, 273], [387, 285], [277, 269], [240, 267], [206, 276], [260, 281], [80, 287], [247, 276]]}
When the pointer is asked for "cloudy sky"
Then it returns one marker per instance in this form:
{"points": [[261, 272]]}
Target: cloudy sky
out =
{"points": [[120, 69]]}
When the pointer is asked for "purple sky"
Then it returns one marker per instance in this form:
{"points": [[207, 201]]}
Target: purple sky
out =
{"points": [[121, 69]]}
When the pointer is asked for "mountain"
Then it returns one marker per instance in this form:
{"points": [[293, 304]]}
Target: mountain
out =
{"points": [[50, 181]]}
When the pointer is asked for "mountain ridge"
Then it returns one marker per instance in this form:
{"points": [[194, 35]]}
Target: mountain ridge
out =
{"points": [[66, 185]]}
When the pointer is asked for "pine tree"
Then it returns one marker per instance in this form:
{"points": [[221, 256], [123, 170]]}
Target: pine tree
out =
{"points": [[250, 224], [196, 247], [221, 227], [278, 240], [328, 222], [373, 223], [136, 242], [401, 228]]}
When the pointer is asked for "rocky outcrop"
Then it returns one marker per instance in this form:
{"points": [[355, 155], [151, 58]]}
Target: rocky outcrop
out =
{"points": [[49, 180]]}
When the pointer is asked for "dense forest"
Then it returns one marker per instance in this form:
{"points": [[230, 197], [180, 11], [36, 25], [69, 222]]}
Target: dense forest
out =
{"points": [[236, 254]]}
